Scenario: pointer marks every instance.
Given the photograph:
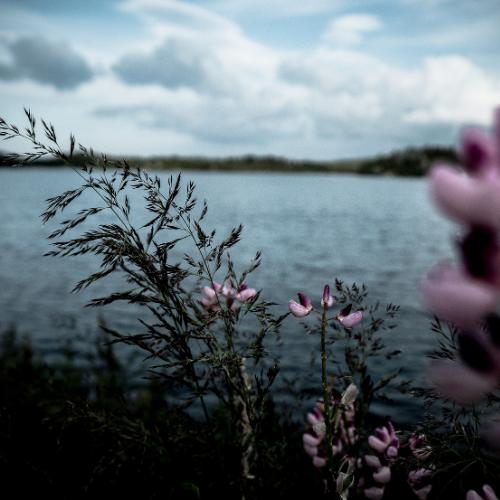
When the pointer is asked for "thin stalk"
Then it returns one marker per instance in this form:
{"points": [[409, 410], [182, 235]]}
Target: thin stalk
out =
{"points": [[326, 399]]}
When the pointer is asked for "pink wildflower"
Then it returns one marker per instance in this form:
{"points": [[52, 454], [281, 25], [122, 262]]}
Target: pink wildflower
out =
{"points": [[302, 309], [348, 319]]}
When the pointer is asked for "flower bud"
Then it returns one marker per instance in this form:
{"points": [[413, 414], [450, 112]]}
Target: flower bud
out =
{"points": [[327, 301], [349, 395]]}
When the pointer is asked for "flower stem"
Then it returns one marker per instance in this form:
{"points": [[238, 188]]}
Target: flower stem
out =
{"points": [[326, 398]]}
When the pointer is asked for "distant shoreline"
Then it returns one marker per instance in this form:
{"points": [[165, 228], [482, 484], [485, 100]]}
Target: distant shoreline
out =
{"points": [[410, 162]]}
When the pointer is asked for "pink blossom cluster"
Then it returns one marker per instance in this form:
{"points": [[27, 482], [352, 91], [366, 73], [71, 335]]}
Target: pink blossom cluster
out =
{"points": [[467, 294], [419, 450], [345, 317], [215, 293], [345, 433], [386, 446]]}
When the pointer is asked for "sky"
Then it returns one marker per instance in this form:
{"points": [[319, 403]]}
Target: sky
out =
{"points": [[315, 79]]}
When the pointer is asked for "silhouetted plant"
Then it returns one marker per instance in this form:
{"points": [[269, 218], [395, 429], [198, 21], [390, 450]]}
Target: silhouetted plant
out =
{"points": [[197, 345]]}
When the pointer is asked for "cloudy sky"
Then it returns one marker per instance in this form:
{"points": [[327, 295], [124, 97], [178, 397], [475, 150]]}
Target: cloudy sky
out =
{"points": [[317, 79]]}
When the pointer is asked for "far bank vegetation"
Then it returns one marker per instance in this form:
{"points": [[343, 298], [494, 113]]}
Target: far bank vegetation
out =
{"points": [[410, 162]]}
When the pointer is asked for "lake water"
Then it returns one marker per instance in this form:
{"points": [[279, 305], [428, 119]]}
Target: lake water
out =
{"points": [[311, 228]]}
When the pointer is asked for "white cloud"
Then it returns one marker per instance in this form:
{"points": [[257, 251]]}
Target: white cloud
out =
{"points": [[190, 81], [215, 85], [174, 17], [453, 90], [275, 8], [350, 29]]}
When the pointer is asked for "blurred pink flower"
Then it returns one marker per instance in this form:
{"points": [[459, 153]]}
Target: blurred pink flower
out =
{"points": [[319, 462], [467, 199], [312, 451], [489, 494], [459, 382], [336, 445], [472, 199], [478, 151], [374, 493], [414, 479], [423, 493], [315, 417], [311, 440], [243, 293], [377, 444], [386, 438], [457, 297], [417, 446], [373, 461], [469, 293], [481, 255], [383, 475], [415, 476], [480, 374], [210, 301]]}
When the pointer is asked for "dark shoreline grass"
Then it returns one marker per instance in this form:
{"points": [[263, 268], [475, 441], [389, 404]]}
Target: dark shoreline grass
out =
{"points": [[69, 432], [73, 432], [410, 162]]}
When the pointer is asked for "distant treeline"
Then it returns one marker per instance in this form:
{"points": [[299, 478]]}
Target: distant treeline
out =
{"points": [[411, 161]]}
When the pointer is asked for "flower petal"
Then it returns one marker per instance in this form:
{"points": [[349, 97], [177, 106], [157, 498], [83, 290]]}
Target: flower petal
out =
{"points": [[423, 493], [319, 428], [472, 495], [374, 493], [305, 302], [336, 446], [312, 419], [344, 312], [460, 383], [454, 296], [392, 452], [383, 475], [210, 292], [352, 320], [319, 462], [349, 395], [489, 494], [377, 444], [415, 476], [311, 440], [244, 295], [481, 254], [471, 200], [478, 151], [298, 310], [373, 461], [478, 353], [384, 435], [210, 305], [312, 451]]}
